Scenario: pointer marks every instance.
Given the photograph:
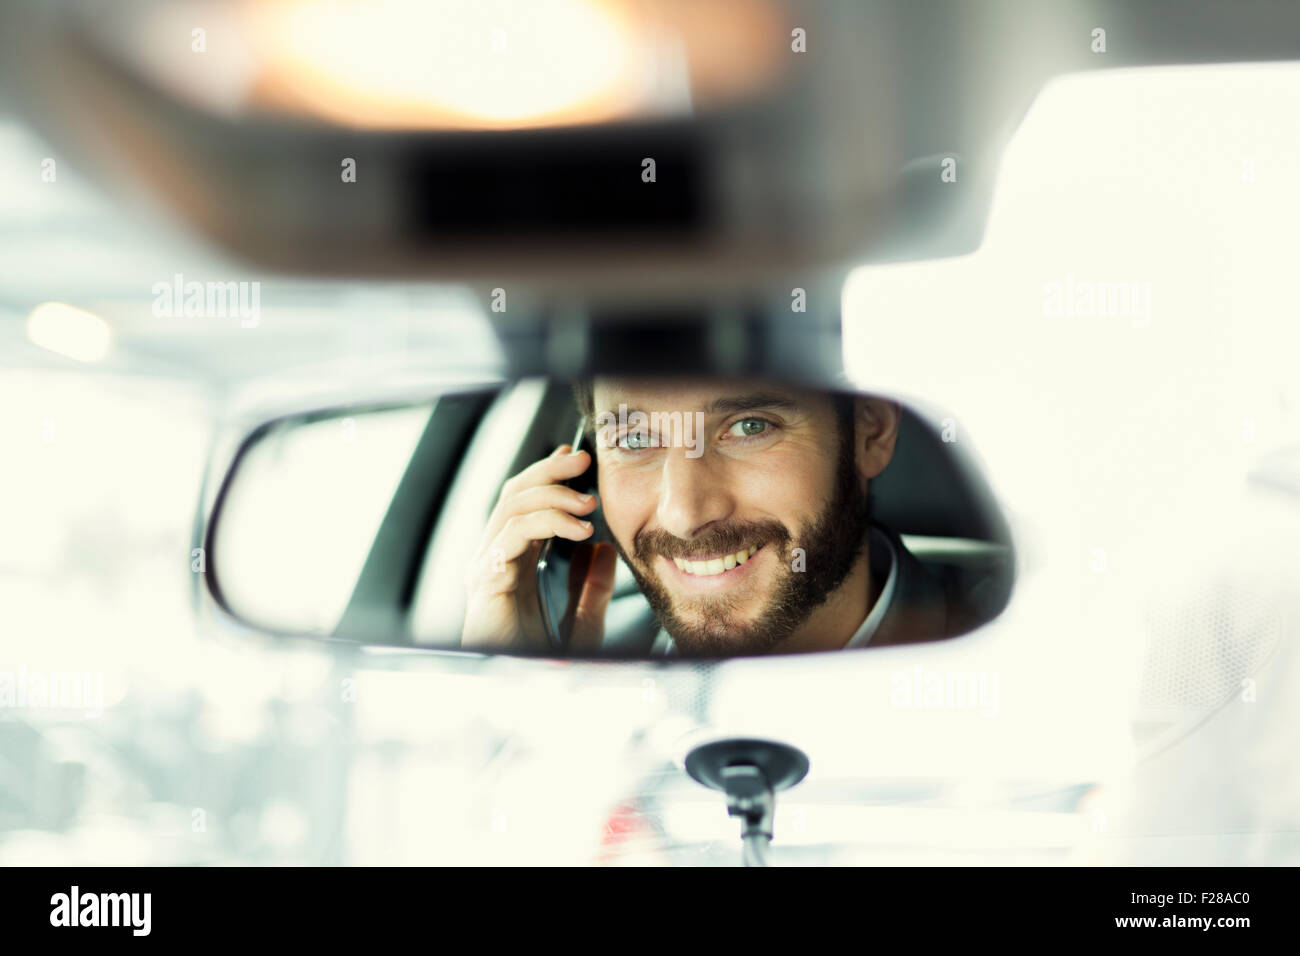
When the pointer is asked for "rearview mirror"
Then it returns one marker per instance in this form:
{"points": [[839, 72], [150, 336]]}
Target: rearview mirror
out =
{"points": [[613, 517]]}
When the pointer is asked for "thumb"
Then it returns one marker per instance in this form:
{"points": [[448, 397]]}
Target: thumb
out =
{"points": [[591, 585]]}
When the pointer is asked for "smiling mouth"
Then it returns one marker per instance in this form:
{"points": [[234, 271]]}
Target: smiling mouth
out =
{"points": [[718, 565]]}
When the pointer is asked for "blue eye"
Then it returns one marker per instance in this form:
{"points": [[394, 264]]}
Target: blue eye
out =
{"points": [[635, 441], [749, 427]]}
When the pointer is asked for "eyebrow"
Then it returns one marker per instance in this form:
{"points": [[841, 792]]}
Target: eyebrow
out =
{"points": [[751, 402], [737, 403]]}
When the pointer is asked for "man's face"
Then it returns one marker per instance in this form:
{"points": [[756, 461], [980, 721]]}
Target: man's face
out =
{"points": [[736, 532]]}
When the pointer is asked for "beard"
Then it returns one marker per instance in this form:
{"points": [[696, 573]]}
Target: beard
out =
{"points": [[709, 626]]}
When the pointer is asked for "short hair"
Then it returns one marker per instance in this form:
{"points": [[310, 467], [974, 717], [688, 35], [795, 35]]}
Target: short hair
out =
{"points": [[584, 396]]}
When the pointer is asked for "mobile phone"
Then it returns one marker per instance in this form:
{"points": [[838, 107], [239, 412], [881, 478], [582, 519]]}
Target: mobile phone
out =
{"points": [[556, 557]]}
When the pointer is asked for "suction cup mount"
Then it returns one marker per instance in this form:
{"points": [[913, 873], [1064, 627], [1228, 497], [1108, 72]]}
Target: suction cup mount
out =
{"points": [[749, 771]]}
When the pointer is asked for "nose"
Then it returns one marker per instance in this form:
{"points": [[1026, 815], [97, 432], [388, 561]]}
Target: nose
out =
{"points": [[693, 495]]}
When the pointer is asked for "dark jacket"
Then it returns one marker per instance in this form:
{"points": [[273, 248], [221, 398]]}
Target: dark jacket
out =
{"points": [[937, 599]]}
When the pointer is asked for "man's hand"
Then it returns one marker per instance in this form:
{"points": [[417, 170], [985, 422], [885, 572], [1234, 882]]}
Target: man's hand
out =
{"points": [[502, 611]]}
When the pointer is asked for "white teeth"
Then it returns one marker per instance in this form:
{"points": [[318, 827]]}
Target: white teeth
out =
{"points": [[716, 565]]}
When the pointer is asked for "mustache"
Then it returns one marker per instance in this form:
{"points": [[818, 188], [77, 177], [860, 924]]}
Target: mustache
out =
{"points": [[722, 540]]}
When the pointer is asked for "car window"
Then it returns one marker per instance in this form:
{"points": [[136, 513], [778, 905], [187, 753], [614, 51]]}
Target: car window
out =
{"points": [[297, 526]]}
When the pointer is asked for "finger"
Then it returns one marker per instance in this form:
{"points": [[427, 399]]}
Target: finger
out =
{"points": [[592, 598], [540, 498], [561, 465], [495, 570]]}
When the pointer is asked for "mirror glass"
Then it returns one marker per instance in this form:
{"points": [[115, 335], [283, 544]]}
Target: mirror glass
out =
{"points": [[299, 523], [613, 517]]}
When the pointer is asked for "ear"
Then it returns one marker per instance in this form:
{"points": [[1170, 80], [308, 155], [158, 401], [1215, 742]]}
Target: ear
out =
{"points": [[875, 432]]}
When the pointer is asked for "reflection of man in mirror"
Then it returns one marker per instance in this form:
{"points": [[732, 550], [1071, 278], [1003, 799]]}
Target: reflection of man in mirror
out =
{"points": [[743, 511], [764, 541]]}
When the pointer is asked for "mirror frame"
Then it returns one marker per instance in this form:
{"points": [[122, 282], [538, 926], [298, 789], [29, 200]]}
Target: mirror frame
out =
{"points": [[213, 605]]}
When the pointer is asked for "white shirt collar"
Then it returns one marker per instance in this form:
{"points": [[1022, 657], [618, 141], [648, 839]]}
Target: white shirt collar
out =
{"points": [[881, 554]]}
